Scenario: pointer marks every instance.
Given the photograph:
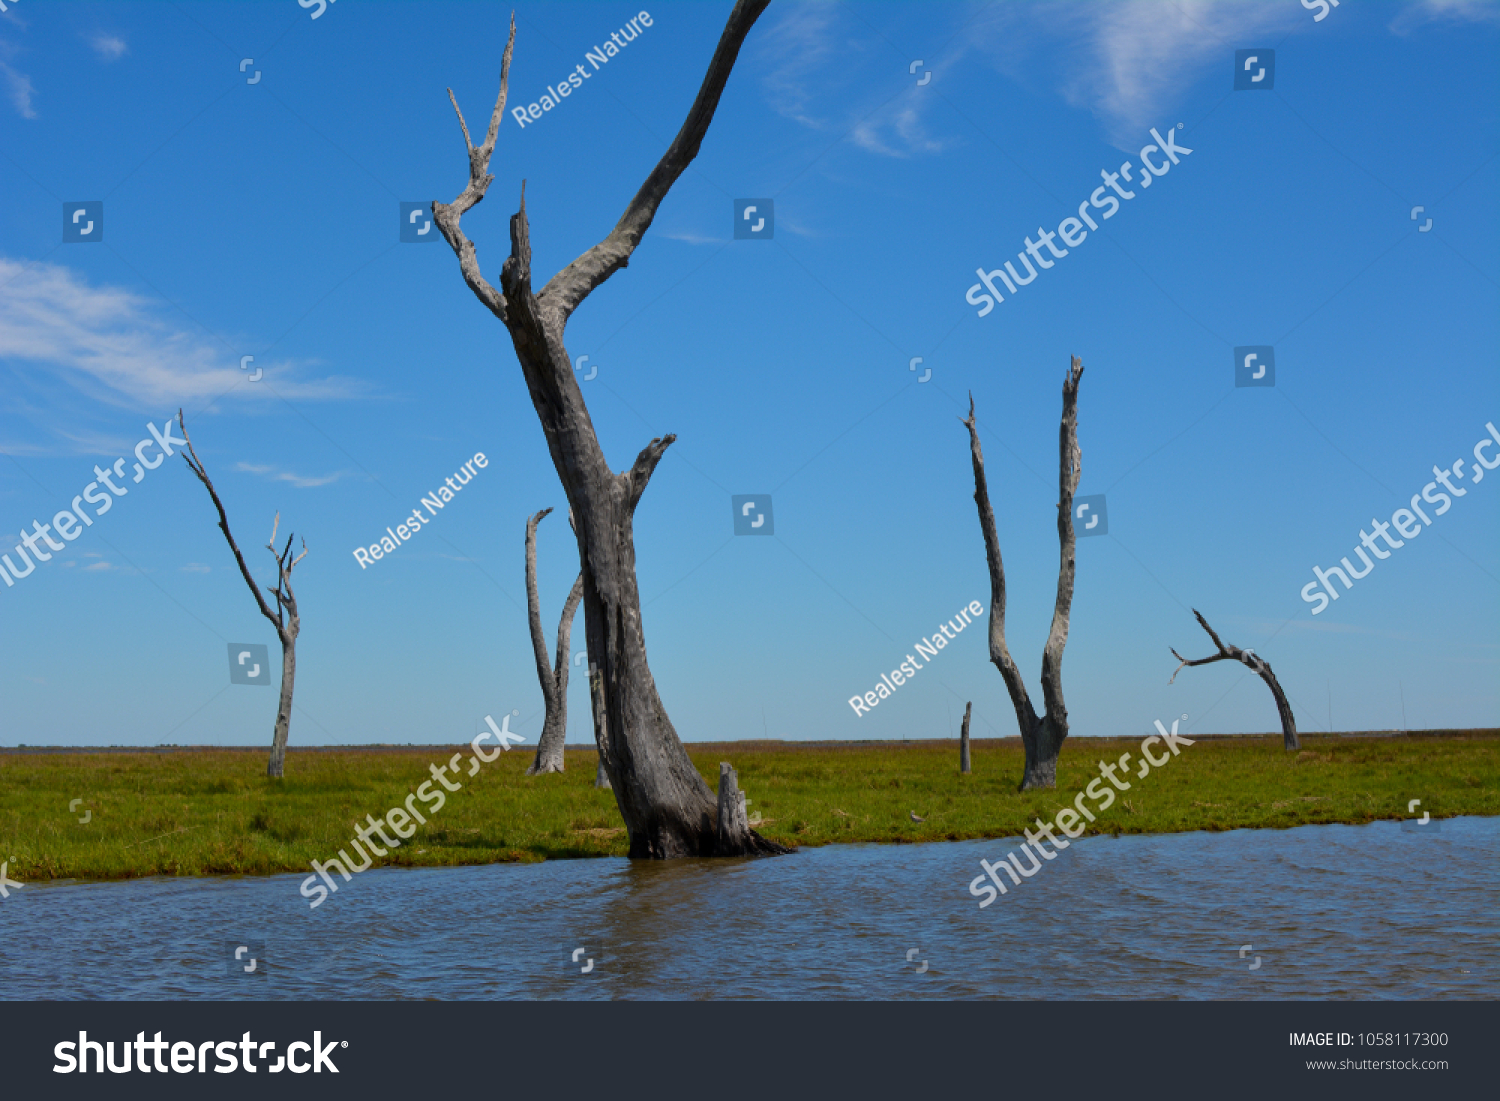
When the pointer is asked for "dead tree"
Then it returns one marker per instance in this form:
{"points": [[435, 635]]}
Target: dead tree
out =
{"points": [[963, 740], [285, 619], [668, 809], [549, 750], [1247, 657], [1042, 736]]}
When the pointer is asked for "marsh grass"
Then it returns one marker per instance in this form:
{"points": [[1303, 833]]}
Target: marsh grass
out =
{"points": [[213, 811]]}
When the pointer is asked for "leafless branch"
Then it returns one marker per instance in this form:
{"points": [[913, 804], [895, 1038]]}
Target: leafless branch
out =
{"points": [[1070, 469], [447, 215], [196, 466], [1259, 665], [534, 609], [573, 284], [1015, 684], [645, 466]]}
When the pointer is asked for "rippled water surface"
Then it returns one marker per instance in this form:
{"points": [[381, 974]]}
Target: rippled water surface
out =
{"points": [[1330, 912]]}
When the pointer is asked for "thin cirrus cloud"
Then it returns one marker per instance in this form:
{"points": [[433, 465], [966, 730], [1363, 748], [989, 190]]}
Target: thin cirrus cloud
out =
{"points": [[1129, 64], [111, 344], [816, 52], [301, 481], [18, 90], [1415, 15], [108, 46]]}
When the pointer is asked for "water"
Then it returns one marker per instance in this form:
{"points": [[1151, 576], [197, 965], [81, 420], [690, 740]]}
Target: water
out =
{"points": [[1330, 911]]}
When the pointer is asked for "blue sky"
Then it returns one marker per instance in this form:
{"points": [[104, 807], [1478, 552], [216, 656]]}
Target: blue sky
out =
{"points": [[261, 219]]}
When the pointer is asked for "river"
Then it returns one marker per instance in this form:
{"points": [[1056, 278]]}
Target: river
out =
{"points": [[1344, 912]]}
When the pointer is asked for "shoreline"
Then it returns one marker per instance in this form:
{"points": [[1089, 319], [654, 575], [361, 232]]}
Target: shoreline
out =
{"points": [[96, 814]]}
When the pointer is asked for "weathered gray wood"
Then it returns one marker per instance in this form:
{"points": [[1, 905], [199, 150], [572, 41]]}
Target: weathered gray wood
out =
{"points": [[963, 740], [285, 619], [667, 808], [601, 778], [1043, 735], [733, 821], [554, 678], [1289, 739]]}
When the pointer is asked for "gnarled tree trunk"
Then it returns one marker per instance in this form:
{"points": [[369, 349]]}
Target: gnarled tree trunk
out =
{"points": [[285, 619], [668, 809], [549, 749], [1262, 668], [1043, 735]]}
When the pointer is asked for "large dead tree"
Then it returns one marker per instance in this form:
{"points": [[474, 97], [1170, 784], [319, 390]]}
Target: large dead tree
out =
{"points": [[1262, 668], [549, 749], [285, 619], [1042, 736], [667, 808]]}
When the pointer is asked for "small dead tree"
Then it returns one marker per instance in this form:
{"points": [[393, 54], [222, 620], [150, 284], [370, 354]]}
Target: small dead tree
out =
{"points": [[1042, 736], [667, 808], [285, 619], [549, 750], [1262, 668], [963, 740]]}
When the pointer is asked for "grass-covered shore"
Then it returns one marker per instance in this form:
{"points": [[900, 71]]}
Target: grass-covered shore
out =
{"points": [[213, 812]]}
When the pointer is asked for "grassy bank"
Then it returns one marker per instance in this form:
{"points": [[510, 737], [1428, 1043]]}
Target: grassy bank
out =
{"points": [[210, 811]]}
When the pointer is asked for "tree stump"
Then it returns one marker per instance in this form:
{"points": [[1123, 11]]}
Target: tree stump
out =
{"points": [[734, 823], [963, 740]]}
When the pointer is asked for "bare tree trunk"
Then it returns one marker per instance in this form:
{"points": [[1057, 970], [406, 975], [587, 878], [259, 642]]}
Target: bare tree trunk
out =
{"points": [[1289, 738], [549, 749], [601, 778], [1043, 735], [668, 809], [285, 619], [733, 820], [277, 763], [963, 740]]}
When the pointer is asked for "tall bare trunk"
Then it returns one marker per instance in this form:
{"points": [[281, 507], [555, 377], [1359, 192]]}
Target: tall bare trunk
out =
{"points": [[1289, 739], [1042, 735], [667, 807], [285, 619], [554, 678], [277, 763], [963, 740]]}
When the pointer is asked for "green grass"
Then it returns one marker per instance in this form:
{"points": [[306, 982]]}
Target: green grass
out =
{"points": [[213, 812]]}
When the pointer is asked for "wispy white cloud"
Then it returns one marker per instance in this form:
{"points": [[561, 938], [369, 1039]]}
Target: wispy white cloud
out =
{"points": [[113, 345], [19, 91], [803, 43], [691, 238], [1127, 63], [906, 136], [109, 46], [1422, 12], [301, 481], [195, 567], [816, 52]]}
